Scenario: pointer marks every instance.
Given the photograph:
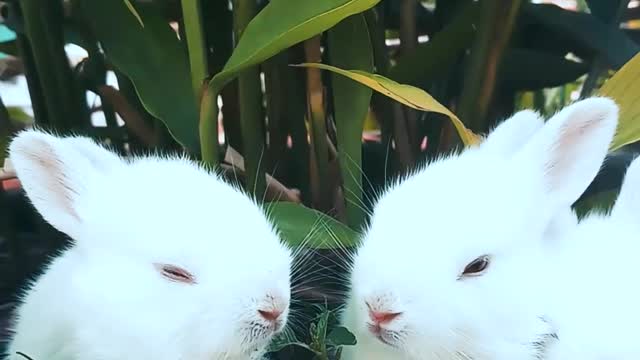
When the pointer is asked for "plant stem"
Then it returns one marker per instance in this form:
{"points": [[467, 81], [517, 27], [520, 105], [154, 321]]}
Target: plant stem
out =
{"points": [[43, 25], [208, 128], [408, 43], [599, 63], [350, 48], [315, 106], [251, 111], [497, 19], [275, 73], [192, 18], [297, 128], [38, 103]]}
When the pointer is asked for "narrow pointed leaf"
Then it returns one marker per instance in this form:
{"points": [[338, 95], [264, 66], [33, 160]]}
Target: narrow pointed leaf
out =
{"points": [[133, 11], [408, 95], [624, 88], [282, 24]]}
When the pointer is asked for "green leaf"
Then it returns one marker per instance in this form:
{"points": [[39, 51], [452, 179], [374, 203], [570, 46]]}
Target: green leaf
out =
{"points": [[302, 226], [432, 58], [318, 332], [605, 10], [18, 116], [587, 30], [350, 47], [544, 70], [406, 94], [624, 88], [341, 336], [154, 60], [133, 11], [281, 24], [283, 340]]}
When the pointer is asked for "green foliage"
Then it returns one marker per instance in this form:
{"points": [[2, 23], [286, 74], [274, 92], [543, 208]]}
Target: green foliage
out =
{"points": [[405, 94], [155, 61], [327, 338], [302, 226], [298, 127]]}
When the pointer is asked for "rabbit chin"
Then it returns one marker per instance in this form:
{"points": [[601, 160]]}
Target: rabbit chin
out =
{"points": [[530, 341], [256, 340]]}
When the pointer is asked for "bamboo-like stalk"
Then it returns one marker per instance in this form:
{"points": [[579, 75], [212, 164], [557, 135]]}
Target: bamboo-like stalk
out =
{"points": [[43, 61], [315, 106], [43, 25], [408, 43], [599, 63], [275, 73], [298, 130], [251, 111], [196, 43], [208, 128], [38, 103], [391, 120], [497, 19]]}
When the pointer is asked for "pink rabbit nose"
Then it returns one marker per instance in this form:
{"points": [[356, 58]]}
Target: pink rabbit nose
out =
{"points": [[383, 317], [271, 315]]}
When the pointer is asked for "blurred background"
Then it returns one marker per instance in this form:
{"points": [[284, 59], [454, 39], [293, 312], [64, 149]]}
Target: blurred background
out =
{"points": [[134, 74]]}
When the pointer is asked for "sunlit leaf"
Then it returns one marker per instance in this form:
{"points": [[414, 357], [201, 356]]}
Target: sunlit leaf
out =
{"points": [[282, 24], [408, 95], [624, 88]]}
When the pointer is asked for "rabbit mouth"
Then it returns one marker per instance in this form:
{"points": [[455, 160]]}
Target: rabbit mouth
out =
{"points": [[388, 337]]}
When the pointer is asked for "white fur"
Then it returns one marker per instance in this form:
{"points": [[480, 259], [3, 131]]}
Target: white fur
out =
{"points": [[428, 227], [598, 317], [103, 298]]}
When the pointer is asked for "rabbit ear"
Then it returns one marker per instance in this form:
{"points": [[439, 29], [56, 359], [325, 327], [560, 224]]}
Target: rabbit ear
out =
{"points": [[511, 134], [628, 201], [55, 172], [564, 157]]}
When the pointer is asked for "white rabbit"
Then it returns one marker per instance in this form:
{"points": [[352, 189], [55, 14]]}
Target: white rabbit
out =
{"points": [[598, 318], [154, 272], [452, 265]]}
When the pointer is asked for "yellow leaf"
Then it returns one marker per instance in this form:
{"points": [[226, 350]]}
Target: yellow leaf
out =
{"points": [[411, 96], [624, 88], [134, 11]]}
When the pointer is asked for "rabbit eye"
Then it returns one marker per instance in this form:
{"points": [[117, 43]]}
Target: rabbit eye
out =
{"points": [[175, 273], [477, 266]]}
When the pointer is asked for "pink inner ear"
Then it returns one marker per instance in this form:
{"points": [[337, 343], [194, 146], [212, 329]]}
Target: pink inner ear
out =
{"points": [[56, 180], [566, 145]]}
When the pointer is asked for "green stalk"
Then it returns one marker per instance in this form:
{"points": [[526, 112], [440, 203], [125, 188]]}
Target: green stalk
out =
{"points": [[208, 128], [350, 48], [196, 42], [275, 73], [38, 103], [321, 194], [251, 111], [296, 114], [497, 19], [599, 65], [43, 25], [381, 105]]}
